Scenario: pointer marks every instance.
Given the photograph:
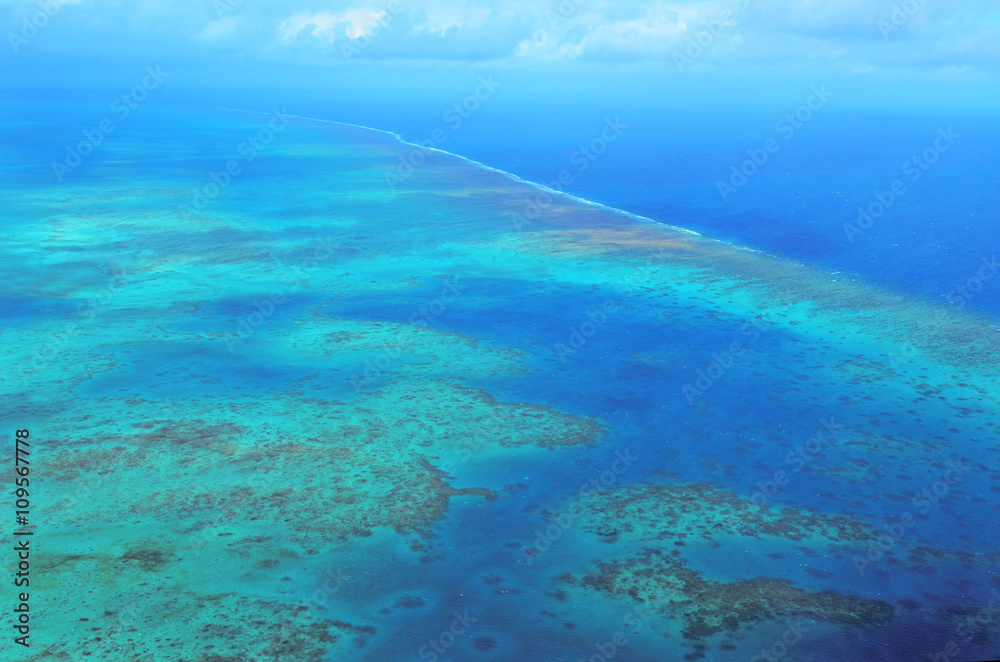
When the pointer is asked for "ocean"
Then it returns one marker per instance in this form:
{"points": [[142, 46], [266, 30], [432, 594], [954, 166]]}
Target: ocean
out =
{"points": [[668, 166], [314, 393]]}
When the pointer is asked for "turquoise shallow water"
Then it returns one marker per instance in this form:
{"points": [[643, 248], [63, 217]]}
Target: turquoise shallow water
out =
{"points": [[311, 417]]}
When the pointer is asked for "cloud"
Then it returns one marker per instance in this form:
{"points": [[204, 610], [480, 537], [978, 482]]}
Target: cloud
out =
{"points": [[847, 35], [352, 24], [442, 19]]}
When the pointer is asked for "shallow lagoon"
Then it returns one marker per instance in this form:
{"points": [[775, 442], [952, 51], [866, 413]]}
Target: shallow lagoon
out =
{"points": [[319, 416]]}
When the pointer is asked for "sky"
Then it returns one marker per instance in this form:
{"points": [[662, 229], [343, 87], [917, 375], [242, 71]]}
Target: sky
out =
{"points": [[885, 48]]}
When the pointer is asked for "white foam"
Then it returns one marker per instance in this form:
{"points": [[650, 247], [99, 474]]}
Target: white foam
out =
{"points": [[543, 187]]}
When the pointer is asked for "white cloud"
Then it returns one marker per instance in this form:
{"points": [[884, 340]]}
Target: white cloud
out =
{"points": [[356, 23], [843, 34], [442, 19], [654, 33]]}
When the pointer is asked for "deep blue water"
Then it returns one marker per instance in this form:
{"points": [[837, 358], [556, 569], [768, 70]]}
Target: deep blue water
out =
{"points": [[666, 168], [667, 164]]}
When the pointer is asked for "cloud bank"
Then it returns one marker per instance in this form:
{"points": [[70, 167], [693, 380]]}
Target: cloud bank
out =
{"points": [[858, 35]]}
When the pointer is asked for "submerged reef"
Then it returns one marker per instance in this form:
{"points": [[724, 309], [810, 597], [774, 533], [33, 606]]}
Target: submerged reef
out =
{"points": [[678, 514], [190, 627], [649, 529], [315, 370], [220, 496], [665, 585], [339, 471]]}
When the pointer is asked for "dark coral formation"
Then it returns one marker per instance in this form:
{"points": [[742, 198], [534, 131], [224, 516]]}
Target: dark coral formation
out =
{"points": [[649, 522], [215, 484], [665, 585], [339, 472], [203, 628], [704, 512]]}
